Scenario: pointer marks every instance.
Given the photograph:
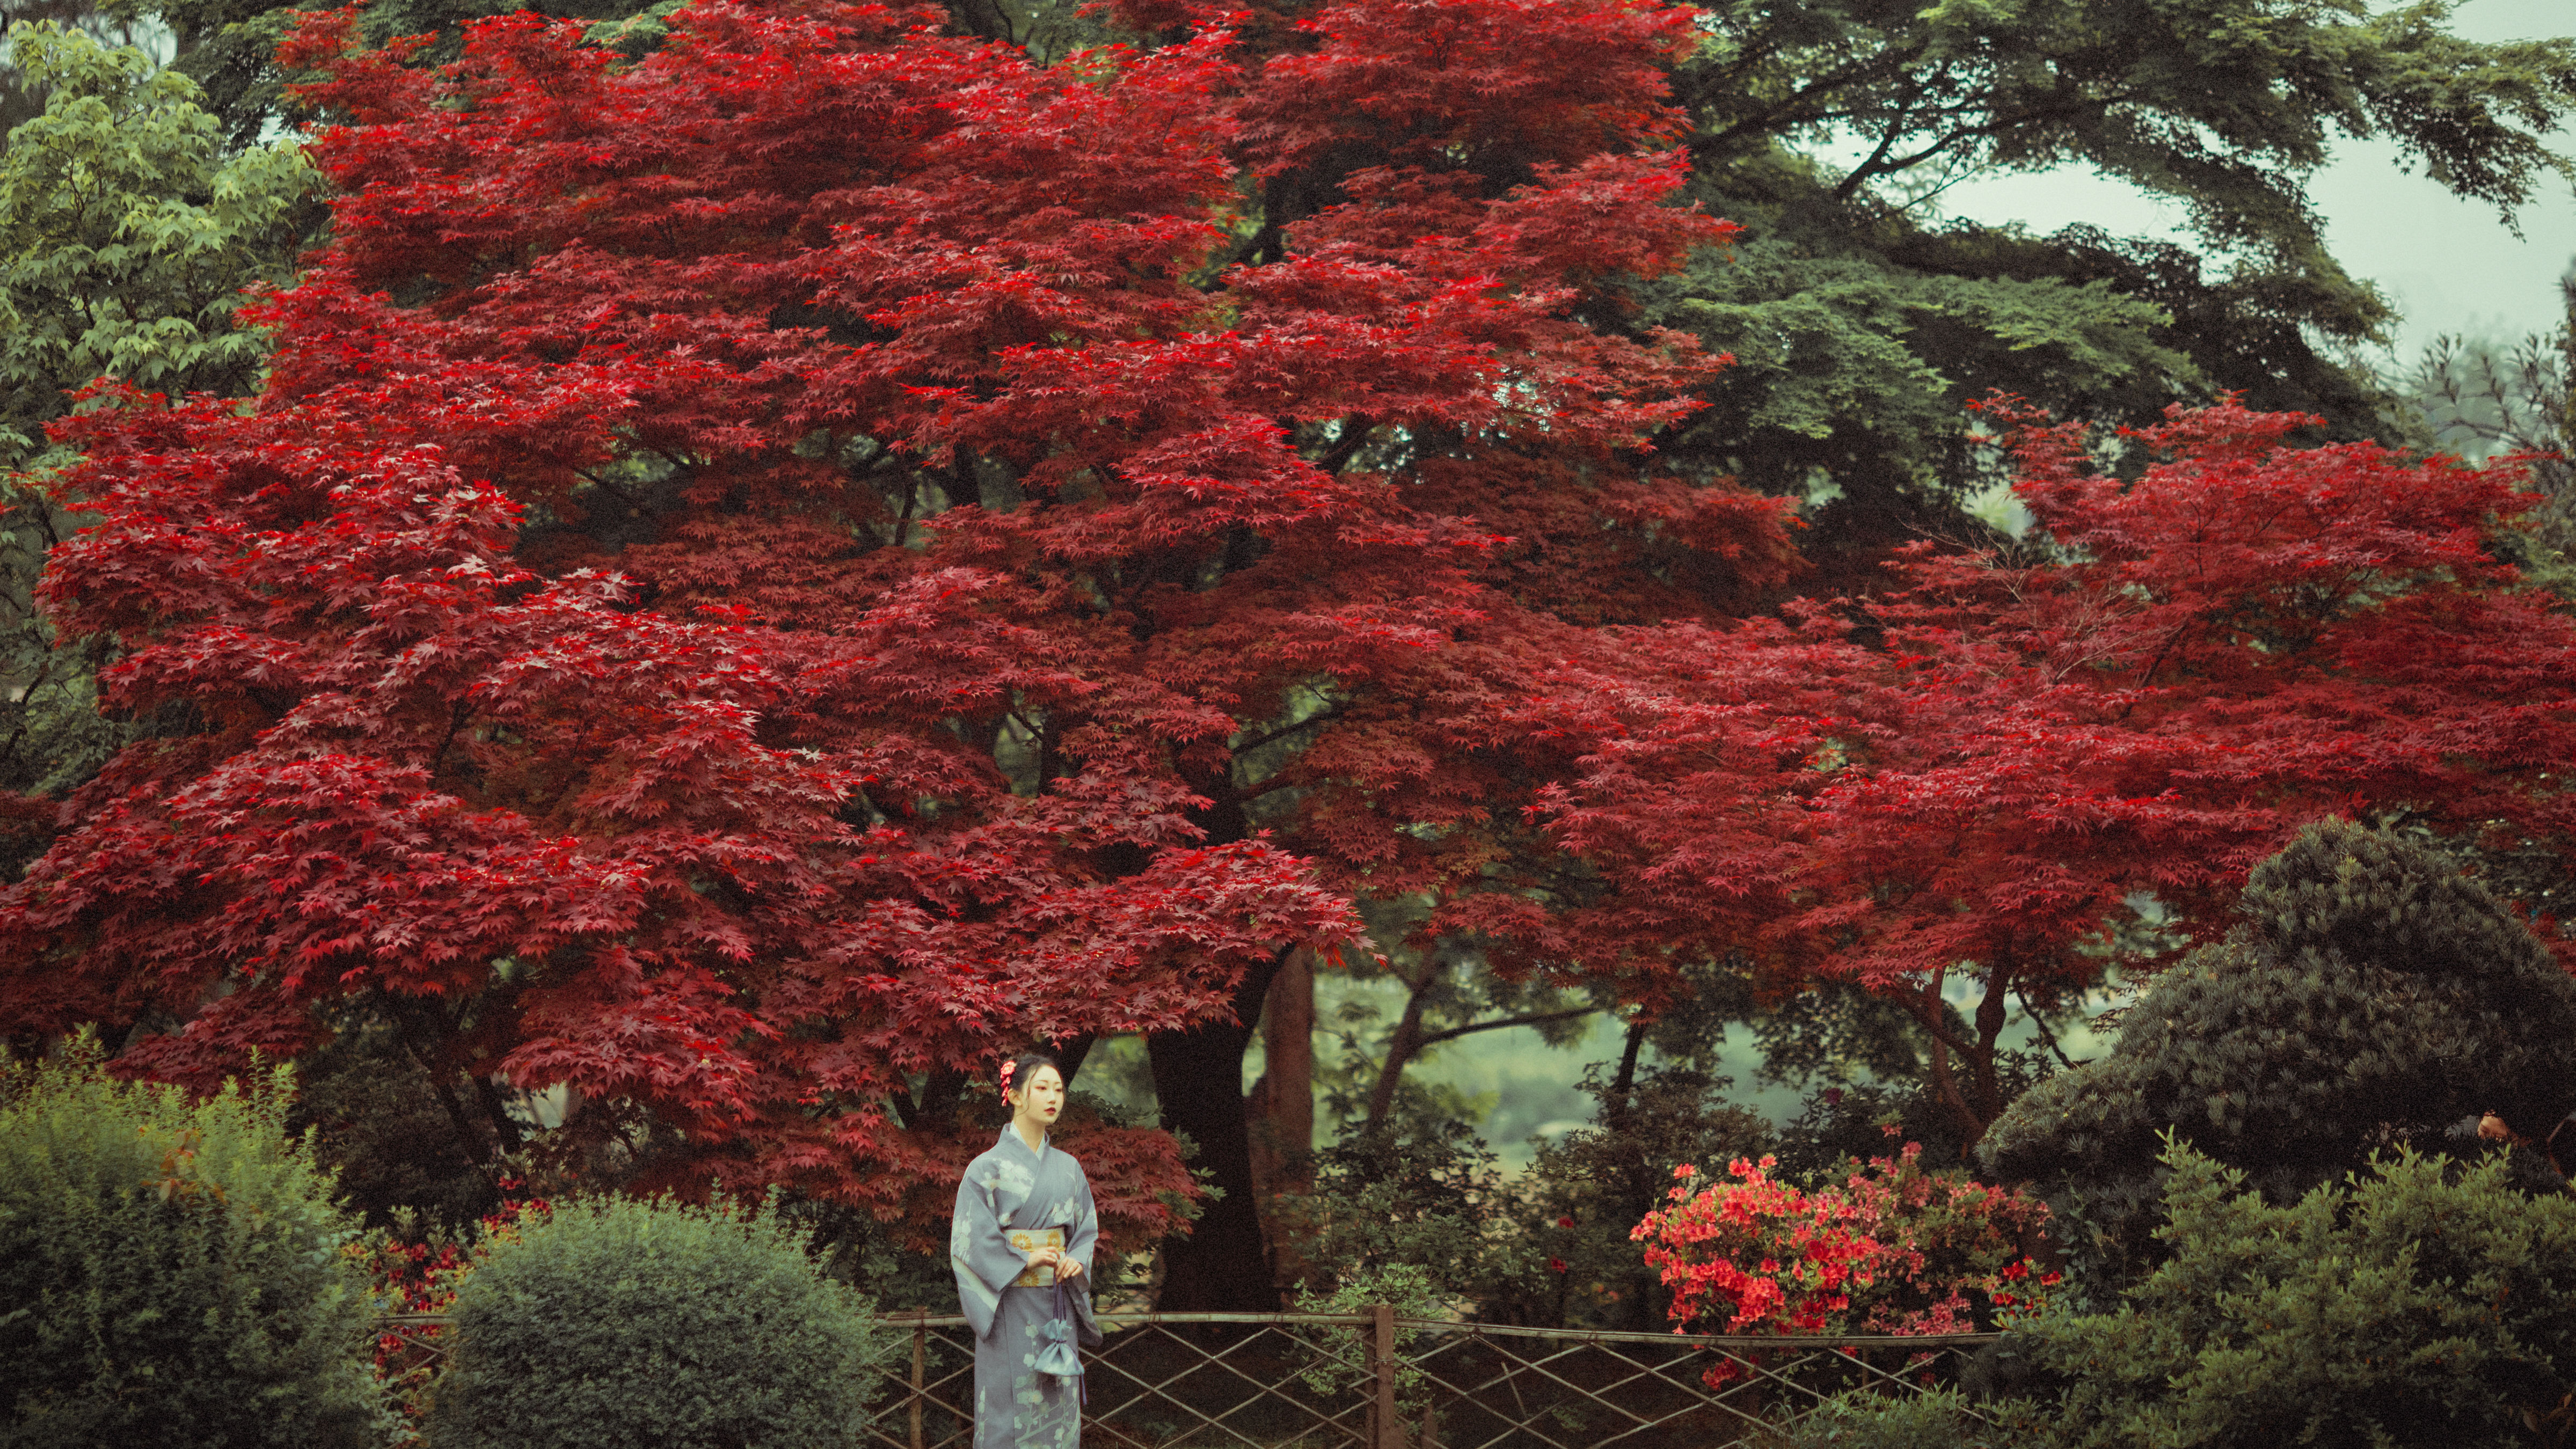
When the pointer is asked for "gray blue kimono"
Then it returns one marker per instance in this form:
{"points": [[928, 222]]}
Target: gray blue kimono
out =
{"points": [[1013, 1192]]}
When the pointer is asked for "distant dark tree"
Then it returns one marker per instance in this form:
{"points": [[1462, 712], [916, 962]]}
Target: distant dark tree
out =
{"points": [[2373, 996]]}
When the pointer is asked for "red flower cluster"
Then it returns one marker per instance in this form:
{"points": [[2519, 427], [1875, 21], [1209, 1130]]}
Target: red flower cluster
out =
{"points": [[1894, 1249]]}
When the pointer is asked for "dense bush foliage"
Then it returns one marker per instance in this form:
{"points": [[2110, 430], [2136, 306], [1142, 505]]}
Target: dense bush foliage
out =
{"points": [[622, 1324], [2372, 994], [1586, 1190], [171, 1273], [1942, 1419], [2423, 1304], [1418, 1207], [1430, 1206]]}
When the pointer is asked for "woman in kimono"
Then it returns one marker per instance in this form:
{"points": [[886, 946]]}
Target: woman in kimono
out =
{"points": [[1024, 1226]]}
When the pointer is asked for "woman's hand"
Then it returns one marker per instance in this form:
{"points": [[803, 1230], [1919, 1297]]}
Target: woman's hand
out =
{"points": [[1065, 1267]]}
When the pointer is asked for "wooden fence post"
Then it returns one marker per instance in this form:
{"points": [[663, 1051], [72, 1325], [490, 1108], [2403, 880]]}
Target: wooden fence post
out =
{"points": [[920, 1346], [1390, 1432]]}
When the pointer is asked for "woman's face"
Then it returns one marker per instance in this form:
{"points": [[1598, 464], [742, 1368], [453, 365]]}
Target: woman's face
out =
{"points": [[1043, 1097]]}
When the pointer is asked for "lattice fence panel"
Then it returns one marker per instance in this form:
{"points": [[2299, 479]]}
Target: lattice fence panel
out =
{"points": [[1467, 1386], [1327, 1381], [1312, 1381], [1223, 1381]]}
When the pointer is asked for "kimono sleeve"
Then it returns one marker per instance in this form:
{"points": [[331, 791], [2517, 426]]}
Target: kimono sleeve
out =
{"points": [[982, 1256], [1083, 1233], [1080, 1237]]}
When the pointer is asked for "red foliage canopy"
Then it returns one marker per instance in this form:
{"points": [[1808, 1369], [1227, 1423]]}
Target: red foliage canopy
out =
{"points": [[767, 576], [770, 575], [2156, 690]]}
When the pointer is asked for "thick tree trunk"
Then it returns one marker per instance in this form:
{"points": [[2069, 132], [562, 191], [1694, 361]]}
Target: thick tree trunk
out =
{"points": [[1280, 1112], [1198, 1080]]}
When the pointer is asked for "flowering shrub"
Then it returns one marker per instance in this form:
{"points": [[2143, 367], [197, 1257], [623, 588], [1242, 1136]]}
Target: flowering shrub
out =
{"points": [[422, 1275], [1894, 1249]]}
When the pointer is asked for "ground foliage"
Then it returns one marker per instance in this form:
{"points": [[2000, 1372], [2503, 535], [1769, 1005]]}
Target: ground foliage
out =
{"points": [[417, 1266], [2416, 1303]]}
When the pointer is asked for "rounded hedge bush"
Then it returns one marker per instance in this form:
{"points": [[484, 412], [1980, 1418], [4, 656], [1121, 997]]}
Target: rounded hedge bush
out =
{"points": [[171, 1273], [619, 1324]]}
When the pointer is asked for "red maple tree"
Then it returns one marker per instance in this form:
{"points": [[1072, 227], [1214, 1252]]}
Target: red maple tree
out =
{"points": [[770, 574], [2007, 754]]}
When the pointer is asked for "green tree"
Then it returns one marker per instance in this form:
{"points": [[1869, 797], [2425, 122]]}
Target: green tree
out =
{"points": [[127, 234], [2373, 995], [1861, 321]]}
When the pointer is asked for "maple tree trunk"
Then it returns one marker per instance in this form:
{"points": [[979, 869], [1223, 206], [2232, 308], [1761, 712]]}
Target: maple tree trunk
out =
{"points": [[1198, 1080], [1976, 1102], [1929, 1009], [1991, 1015], [1279, 1113]]}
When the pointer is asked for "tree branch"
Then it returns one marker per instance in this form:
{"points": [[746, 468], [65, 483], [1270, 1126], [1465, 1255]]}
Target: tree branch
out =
{"points": [[1355, 431], [2040, 1024], [1284, 731], [1535, 1018]]}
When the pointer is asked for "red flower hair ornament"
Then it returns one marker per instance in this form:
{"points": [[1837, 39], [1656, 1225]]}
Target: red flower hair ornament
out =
{"points": [[1007, 1067]]}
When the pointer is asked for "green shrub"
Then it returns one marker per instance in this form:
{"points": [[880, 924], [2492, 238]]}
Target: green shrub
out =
{"points": [[2370, 995], [171, 1274], [1942, 1419], [617, 1324], [2424, 1304]]}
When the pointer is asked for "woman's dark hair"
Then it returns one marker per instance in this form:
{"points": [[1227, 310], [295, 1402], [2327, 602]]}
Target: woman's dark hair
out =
{"points": [[1026, 1063]]}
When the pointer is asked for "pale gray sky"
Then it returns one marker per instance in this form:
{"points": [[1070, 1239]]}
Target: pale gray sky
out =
{"points": [[2449, 265]]}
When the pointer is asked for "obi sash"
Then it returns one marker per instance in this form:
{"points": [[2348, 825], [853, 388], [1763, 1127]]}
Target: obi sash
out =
{"points": [[1031, 1240]]}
